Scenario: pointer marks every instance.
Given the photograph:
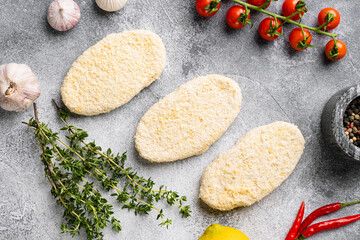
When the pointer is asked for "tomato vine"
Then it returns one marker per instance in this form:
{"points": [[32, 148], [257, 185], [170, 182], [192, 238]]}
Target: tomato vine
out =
{"points": [[285, 19], [271, 28]]}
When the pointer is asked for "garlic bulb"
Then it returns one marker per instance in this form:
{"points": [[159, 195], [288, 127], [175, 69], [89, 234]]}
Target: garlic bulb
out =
{"points": [[19, 87], [111, 5], [63, 14]]}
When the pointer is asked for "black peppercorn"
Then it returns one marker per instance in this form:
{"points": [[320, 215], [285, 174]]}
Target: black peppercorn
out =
{"points": [[351, 122]]}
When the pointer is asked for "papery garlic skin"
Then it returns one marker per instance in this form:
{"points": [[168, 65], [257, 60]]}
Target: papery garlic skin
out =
{"points": [[111, 5], [63, 14], [19, 87]]}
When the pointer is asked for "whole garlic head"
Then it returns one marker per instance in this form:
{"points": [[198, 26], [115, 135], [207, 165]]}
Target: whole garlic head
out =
{"points": [[63, 14], [19, 87], [111, 5]]}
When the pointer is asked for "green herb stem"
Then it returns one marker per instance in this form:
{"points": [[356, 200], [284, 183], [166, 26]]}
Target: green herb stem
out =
{"points": [[66, 166], [97, 170], [114, 187], [108, 158]]}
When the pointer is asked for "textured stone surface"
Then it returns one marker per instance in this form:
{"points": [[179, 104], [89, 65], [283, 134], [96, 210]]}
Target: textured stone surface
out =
{"points": [[277, 84]]}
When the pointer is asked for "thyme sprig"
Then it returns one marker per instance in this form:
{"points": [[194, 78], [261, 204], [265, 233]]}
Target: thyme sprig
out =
{"points": [[68, 164]]}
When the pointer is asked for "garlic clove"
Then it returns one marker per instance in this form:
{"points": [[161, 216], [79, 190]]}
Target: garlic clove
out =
{"points": [[63, 14], [19, 87], [111, 5]]}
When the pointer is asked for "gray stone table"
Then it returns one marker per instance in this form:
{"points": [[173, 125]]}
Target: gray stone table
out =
{"points": [[277, 83]]}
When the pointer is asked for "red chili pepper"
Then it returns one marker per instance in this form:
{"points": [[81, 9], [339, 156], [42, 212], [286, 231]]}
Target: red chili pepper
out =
{"points": [[296, 225], [320, 212], [327, 225]]}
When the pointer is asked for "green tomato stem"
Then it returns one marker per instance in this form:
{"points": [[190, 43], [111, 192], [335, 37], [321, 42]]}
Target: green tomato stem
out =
{"points": [[303, 33], [265, 4], [323, 25], [285, 19]]}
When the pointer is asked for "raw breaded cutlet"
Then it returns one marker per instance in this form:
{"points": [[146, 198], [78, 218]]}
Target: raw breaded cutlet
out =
{"points": [[258, 163], [113, 71], [187, 121]]}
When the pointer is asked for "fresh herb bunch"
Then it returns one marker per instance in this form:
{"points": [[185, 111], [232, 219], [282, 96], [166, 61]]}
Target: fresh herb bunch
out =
{"points": [[68, 163]]}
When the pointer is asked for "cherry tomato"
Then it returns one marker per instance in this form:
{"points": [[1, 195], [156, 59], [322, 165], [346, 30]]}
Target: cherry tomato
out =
{"points": [[264, 28], [233, 16], [258, 3], [289, 8], [322, 18], [207, 8], [296, 37], [330, 51]]}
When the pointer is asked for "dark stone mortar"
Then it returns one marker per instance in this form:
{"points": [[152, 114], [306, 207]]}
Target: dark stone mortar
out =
{"points": [[332, 125]]}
